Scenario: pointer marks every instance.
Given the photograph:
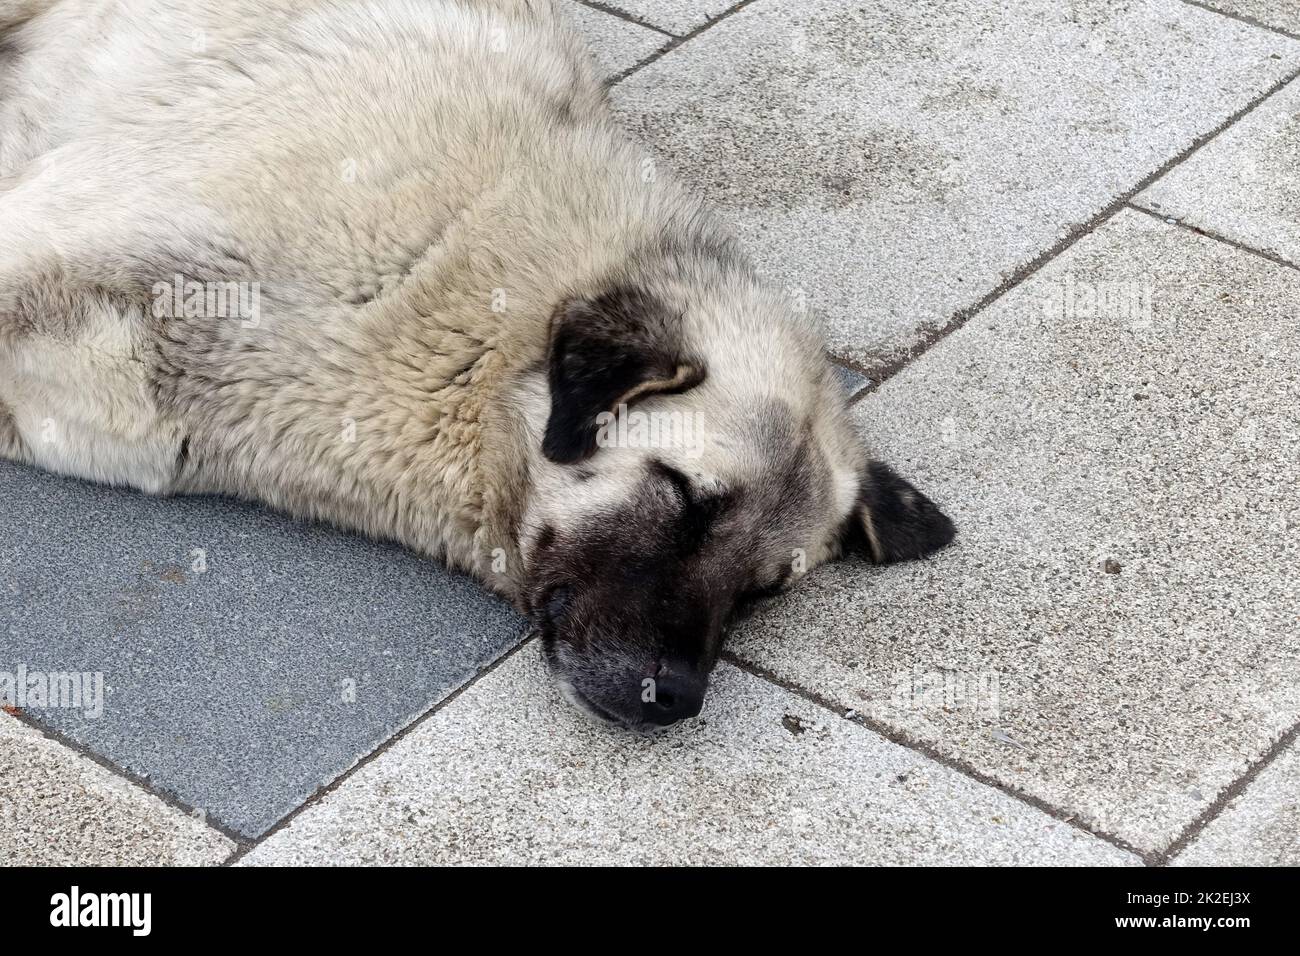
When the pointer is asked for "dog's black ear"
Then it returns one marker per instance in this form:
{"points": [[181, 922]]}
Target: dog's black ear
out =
{"points": [[892, 521], [607, 351]]}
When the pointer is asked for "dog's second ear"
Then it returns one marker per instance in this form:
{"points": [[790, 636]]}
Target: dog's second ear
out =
{"points": [[892, 521], [607, 351]]}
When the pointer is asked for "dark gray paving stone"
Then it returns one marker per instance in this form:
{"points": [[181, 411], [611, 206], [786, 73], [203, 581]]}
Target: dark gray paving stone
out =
{"points": [[852, 380], [227, 688]]}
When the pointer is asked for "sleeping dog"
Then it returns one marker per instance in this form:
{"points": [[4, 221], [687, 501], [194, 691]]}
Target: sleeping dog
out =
{"points": [[392, 264]]}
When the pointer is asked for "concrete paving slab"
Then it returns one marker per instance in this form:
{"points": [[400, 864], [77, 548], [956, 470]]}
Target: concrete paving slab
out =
{"points": [[617, 44], [678, 17], [58, 808], [246, 658], [1246, 184], [894, 163], [1278, 14], [509, 773], [1114, 630], [1261, 827]]}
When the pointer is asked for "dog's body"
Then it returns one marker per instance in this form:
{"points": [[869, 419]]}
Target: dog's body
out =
{"points": [[456, 261]]}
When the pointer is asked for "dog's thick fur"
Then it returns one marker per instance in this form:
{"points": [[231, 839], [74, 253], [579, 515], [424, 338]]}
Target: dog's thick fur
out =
{"points": [[459, 262]]}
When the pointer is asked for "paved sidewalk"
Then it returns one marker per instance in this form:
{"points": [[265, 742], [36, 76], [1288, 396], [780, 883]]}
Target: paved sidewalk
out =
{"points": [[1056, 250]]}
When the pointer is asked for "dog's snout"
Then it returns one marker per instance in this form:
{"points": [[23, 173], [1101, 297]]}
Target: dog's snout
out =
{"points": [[674, 694]]}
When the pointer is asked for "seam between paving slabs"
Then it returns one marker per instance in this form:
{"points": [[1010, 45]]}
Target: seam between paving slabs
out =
{"points": [[243, 842], [624, 15], [959, 318], [1242, 18], [1238, 786], [247, 845], [1226, 796], [134, 779], [1270, 257], [676, 41], [903, 739]]}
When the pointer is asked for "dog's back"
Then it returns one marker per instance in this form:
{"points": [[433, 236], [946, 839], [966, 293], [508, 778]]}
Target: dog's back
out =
{"points": [[317, 239]]}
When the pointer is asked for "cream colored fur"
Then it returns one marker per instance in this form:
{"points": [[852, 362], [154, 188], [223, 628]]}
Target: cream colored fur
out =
{"points": [[414, 185]]}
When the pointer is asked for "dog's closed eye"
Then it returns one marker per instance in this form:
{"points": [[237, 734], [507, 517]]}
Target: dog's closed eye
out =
{"points": [[680, 483], [699, 510]]}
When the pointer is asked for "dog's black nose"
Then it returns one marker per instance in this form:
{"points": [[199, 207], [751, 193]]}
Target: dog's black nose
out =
{"points": [[674, 695]]}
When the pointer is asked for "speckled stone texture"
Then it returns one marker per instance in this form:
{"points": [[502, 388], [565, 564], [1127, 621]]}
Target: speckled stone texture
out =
{"points": [[1114, 630], [1261, 827], [509, 773], [896, 162], [1245, 185], [617, 44], [58, 808], [242, 687]]}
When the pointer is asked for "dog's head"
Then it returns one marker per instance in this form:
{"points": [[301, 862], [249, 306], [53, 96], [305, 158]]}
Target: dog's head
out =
{"points": [[697, 456]]}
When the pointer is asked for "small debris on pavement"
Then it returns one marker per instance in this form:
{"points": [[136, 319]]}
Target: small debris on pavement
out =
{"points": [[1002, 737], [793, 724]]}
